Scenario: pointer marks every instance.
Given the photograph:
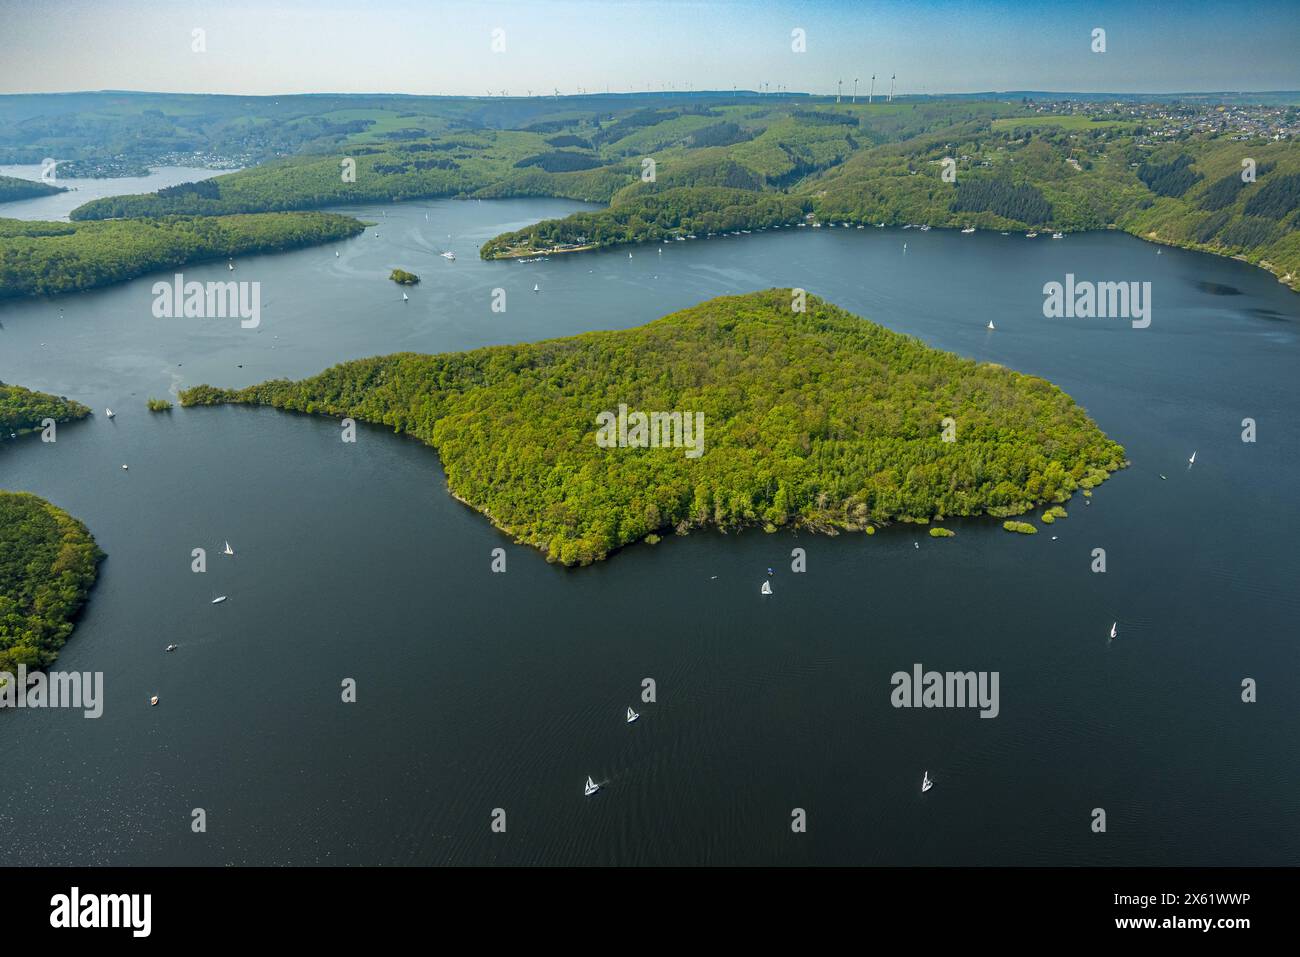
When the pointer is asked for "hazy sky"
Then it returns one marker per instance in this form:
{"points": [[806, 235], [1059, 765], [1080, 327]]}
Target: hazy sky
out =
{"points": [[430, 46]]}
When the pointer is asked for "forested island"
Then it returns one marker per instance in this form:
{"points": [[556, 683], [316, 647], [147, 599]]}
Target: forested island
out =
{"points": [[23, 410], [813, 418], [12, 188], [48, 563], [46, 258]]}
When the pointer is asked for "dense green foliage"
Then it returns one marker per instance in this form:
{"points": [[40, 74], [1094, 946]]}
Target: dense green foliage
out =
{"points": [[937, 532], [816, 418], [1020, 202], [1024, 528], [1016, 167], [1169, 179], [403, 278], [159, 405], [871, 164], [45, 258], [13, 189], [655, 216], [47, 565], [22, 410]]}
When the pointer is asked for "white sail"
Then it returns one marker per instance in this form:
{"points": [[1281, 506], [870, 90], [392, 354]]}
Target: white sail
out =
{"points": [[1114, 629], [631, 716], [767, 588], [991, 326], [227, 550], [1192, 460], [405, 298], [219, 599], [926, 783], [591, 788], [110, 413]]}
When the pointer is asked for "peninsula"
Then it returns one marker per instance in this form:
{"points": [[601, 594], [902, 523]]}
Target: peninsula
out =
{"points": [[813, 418], [48, 563]]}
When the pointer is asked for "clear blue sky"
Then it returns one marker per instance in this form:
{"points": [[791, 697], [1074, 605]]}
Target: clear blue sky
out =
{"points": [[409, 46]]}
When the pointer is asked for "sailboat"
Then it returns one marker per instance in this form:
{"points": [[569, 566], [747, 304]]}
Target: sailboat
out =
{"points": [[631, 716], [219, 599], [153, 701], [1114, 629], [969, 229], [110, 413], [536, 288], [991, 326], [591, 788], [170, 648], [230, 266], [227, 550], [405, 298], [1192, 460], [926, 783], [449, 256], [336, 254], [629, 255], [766, 589]]}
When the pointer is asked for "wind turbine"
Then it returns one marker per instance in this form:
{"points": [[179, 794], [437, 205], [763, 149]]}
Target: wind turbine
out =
{"points": [[839, 90], [855, 89], [872, 95], [891, 87]]}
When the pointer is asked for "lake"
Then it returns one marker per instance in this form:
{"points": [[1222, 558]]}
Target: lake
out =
{"points": [[478, 691], [81, 190]]}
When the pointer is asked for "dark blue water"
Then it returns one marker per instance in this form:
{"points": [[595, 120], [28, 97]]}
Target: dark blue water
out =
{"points": [[479, 691]]}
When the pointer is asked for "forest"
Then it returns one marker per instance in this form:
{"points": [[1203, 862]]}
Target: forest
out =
{"points": [[13, 189], [816, 418], [39, 258], [23, 410], [48, 563], [652, 217]]}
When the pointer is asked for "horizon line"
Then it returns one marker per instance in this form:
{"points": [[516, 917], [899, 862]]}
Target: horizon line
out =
{"points": [[883, 97]]}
